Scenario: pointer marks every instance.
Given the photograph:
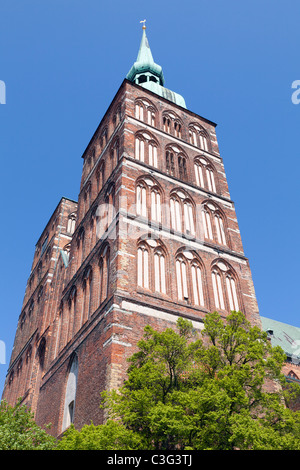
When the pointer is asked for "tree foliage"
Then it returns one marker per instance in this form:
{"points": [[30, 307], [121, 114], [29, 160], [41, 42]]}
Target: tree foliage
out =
{"points": [[18, 431], [220, 390]]}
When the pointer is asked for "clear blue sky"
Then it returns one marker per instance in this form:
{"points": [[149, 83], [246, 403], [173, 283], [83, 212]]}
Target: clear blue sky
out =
{"points": [[234, 62]]}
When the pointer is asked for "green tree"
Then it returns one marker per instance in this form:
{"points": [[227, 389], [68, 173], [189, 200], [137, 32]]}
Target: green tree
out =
{"points": [[221, 389], [18, 431], [109, 436]]}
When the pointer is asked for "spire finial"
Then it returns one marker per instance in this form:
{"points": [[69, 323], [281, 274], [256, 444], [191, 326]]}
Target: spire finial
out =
{"points": [[143, 21]]}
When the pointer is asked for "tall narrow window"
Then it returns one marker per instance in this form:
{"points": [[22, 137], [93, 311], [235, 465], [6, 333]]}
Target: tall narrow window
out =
{"points": [[143, 267], [181, 276], [69, 407], [155, 205], [220, 229], [182, 167], [177, 129], [197, 285], [170, 163], [167, 124], [141, 201], [139, 111], [189, 218], [199, 174], [210, 180], [231, 292], [175, 207], [152, 155], [203, 142], [139, 149], [159, 272], [151, 116], [218, 291], [207, 224]]}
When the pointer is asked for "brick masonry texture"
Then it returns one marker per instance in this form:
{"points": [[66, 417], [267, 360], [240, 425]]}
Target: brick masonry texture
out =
{"points": [[82, 297]]}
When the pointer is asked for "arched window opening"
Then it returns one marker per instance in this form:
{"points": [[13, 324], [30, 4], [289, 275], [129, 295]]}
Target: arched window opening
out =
{"points": [[210, 180], [231, 292], [70, 397], [159, 272], [218, 290], [151, 116], [170, 167], [141, 200], [199, 174], [167, 124], [152, 149], [155, 205], [181, 275], [182, 168], [225, 287], [175, 207], [71, 223], [197, 284], [189, 218], [143, 267], [177, 129], [142, 79], [139, 149]]}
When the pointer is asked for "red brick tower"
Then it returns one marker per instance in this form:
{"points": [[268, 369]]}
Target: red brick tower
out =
{"points": [[156, 237]]}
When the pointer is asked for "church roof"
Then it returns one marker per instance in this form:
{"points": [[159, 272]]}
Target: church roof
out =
{"points": [[283, 335], [146, 73]]}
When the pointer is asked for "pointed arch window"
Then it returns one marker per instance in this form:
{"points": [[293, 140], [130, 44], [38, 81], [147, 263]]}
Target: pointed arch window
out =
{"points": [[141, 200], [232, 293], [182, 170], [70, 397], [114, 155], [151, 266], [225, 287], [182, 210], [167, 124], [139, 149], [210, 179], [177, 129], [213, 224], [71, 223], [87, 287], [148, 199], [199, 174], [190, 278], [144, 109], [103, 275], [143, 266], [218, 290], [198, 137], [181, 276], [159, 271], [139, 111], [151, 116], [188, 218], [155, 205], [146, 149], [175, 207], [170, 165], [152, 150], [197, 283]]}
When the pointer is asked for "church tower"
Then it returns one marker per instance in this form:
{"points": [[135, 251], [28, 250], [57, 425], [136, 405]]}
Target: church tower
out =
{"points": [[154, 236]]}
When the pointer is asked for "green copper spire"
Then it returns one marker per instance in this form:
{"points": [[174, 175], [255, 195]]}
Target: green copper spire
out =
{"points": [[146, 73], [145, 69]]}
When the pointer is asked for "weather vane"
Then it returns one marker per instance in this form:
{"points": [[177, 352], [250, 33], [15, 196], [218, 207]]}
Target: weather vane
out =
{"points": [[143, 21]]}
